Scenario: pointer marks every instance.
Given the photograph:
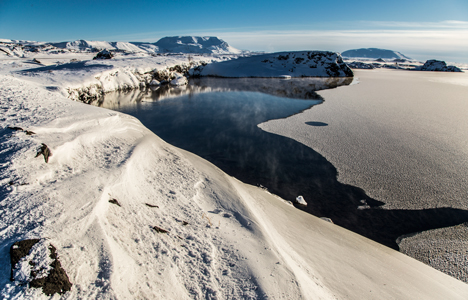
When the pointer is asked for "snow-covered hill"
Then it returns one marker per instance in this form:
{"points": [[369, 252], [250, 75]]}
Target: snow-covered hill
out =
{"points": [[82, 45], [293, 64], [374, 53], [180, 44], [195, 44]]}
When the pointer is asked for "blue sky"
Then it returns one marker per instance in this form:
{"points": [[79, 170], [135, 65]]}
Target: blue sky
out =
{"points": [[420, 29]]}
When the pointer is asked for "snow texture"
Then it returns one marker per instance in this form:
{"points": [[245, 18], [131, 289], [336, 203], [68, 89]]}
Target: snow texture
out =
{"points": [[373, 53], [280, 64], [224, 240]]}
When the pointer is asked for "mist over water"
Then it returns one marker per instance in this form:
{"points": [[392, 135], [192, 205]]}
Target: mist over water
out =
{"points": [[217, 119]]}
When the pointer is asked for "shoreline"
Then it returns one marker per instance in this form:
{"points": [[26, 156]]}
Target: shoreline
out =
{"points": [[234, 237]]}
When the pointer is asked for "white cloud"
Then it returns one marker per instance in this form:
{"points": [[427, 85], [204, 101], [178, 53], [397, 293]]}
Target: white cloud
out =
{"points": [[420, 44]]}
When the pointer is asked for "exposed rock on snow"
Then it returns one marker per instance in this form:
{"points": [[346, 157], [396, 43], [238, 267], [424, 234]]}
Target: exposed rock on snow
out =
{"points": [[44, 151], [374, 53], [104, 54], [360, 65], [438, 65], [294, 64], [195, 44], [35, 262]]}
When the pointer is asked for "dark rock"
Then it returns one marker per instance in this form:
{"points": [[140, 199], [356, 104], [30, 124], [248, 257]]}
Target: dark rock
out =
{"points": [[160, 230], [55, 282], [104, 54], [45, 151], [361, 65], [114, 201], [19, 250], [438, 65]]}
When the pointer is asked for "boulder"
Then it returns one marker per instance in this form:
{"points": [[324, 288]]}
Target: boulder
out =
{"points": [[438, 65], [104, 54]]}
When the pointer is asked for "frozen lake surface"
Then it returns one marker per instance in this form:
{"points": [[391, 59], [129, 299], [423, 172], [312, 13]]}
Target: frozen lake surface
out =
{"points": [[218, 120]]}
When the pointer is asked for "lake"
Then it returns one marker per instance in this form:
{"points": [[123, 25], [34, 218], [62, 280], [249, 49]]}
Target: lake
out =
{"points": [[218, 120]]}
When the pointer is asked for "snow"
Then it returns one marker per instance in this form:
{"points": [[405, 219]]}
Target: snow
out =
{"points": [[181, 44], [280, 64], [195, 44], [225, 240], [301, 200], [374, 53]]}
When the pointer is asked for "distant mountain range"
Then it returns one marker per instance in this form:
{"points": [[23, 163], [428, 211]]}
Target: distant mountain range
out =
{"points": [[373, 53], [175, 44]]}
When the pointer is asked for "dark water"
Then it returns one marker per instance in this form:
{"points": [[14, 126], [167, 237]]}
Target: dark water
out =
{"points": [[217, 119]]}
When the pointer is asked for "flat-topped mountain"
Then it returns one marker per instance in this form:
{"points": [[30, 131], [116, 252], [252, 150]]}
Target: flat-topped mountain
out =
{"points": [[194, 44], [374, 53]]}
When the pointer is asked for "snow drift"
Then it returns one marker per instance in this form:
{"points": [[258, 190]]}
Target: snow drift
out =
{"points": [[374, 53], [280, 64]]}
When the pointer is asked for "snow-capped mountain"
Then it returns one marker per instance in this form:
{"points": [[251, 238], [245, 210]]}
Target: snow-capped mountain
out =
{"points": [[83, 45], [373, 53], [179, 44], [195, 44]]}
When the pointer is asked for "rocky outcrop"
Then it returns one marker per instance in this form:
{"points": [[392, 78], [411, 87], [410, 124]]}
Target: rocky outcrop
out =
{"points": [[360, 65], [438, 65], [104, 54], [279, 65], [34, 262]]}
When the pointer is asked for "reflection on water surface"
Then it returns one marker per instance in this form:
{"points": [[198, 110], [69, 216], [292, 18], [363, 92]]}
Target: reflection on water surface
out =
{"points": [[217, 119]]}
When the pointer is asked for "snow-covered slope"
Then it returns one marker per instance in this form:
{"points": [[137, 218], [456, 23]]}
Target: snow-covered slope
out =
{"points": [[374, 53], [182, 44], [225, 240], [294, 64], [195, 44], [82, 45]]}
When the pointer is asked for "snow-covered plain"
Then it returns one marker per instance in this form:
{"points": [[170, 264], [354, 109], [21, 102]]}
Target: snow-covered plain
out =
{"points": [[225, 240]]}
